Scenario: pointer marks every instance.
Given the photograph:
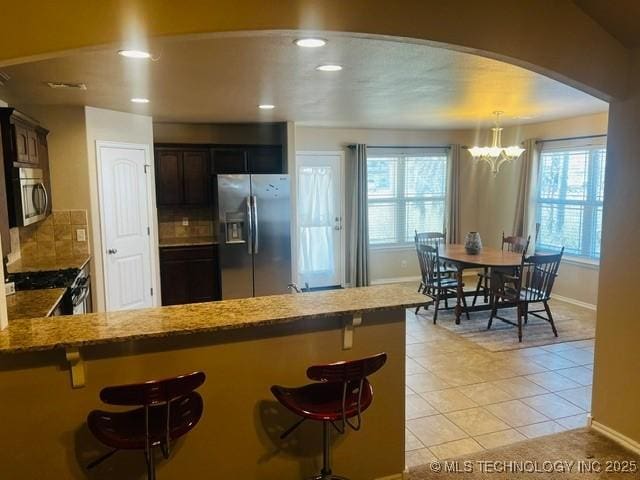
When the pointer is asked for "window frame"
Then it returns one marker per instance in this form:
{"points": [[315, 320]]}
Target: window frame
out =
{"points": [[400, 200], [590, 204]]}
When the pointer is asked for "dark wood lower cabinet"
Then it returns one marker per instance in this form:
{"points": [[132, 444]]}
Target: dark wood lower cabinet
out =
{"points": [[189, 274]]}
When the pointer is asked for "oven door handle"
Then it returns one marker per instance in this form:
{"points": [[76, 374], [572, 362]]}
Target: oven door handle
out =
{"points": [[83, 297]]}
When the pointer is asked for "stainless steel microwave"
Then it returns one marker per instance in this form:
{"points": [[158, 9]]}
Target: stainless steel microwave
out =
{"points": [[31, 196]]}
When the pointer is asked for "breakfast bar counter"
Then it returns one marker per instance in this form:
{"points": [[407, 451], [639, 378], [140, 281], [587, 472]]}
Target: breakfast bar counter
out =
{"points": [[37, 334], [52, 371]]}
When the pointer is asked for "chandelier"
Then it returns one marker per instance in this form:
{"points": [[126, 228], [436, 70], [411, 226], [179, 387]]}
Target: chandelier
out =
{"points": [[496, 155]]}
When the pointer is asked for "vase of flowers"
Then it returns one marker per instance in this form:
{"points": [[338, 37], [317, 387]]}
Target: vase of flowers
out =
{"points": [[473, 243]]}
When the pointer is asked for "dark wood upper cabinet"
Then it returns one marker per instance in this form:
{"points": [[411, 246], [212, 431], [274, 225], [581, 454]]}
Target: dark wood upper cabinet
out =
{"points": [[197, 178], [21, 143], [247, 159], [32, 147], [229, 160], [184, 173], [169, 177], [265, 159], [183, 176]]}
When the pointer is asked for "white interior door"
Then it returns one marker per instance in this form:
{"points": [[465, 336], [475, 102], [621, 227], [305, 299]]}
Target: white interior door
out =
{"points": [[319, 218], [125, 222]]}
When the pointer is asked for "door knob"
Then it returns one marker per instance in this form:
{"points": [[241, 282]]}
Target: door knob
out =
{"points": [[112, 251]]}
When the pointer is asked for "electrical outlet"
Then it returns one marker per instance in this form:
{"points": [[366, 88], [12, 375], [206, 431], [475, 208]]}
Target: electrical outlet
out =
{"points": [[185, 221], [403, 264], [81, 235]]}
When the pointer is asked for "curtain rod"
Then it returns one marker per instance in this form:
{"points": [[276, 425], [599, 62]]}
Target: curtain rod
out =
{"points": [[399, 146], [570, 138]]}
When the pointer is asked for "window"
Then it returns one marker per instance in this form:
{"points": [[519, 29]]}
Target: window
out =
{"points": [[406, 192], [570, 195]]}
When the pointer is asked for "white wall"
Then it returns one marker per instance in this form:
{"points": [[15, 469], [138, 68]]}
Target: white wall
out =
{"points": [[109, 125]]}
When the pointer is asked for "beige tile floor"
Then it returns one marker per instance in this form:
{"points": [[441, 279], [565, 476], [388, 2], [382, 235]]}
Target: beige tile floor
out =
{"points": [[462, 398]]}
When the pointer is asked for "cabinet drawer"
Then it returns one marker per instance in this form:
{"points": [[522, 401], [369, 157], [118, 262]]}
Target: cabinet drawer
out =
{"points": [[188, 253]]}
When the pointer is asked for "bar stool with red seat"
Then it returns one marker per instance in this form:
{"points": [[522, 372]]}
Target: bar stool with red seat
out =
{"points": [[168, 409], [342, 393]]}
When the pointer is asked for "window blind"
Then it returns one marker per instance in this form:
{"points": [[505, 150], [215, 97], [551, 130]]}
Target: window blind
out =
{"points": [[407, 191], [570, 197]]}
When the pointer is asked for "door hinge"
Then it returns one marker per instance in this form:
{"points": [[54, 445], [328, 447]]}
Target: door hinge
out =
{"points": [[152, 291], [148, 230], [145, 168]]}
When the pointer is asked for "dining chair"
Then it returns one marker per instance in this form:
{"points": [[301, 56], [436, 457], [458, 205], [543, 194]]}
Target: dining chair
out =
{"points": [[512, 243], [434, 239], [532, 284], [437, 284]]}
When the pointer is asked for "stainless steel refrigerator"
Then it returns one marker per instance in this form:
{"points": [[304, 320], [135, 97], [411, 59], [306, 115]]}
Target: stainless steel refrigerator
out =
{"points": [[254, 234]]}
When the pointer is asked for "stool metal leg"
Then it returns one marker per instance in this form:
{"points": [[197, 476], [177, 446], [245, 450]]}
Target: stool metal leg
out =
{"points": [[325, 473], [326, 451]]}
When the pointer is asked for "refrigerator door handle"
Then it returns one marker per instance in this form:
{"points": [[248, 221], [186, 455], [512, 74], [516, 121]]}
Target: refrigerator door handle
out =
{"points": [[255, 224], [249, 227]]}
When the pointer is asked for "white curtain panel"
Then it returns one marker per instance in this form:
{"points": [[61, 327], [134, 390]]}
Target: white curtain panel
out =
{"points": [[315, 190]]}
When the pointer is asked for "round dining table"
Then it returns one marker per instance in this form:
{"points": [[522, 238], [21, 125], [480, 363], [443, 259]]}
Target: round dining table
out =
{"points": [[488, 257]]}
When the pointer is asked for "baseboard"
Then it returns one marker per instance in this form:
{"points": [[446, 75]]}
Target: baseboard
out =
{"points": [[383, 281], [397, 476], [617, 437], [573, 301]]}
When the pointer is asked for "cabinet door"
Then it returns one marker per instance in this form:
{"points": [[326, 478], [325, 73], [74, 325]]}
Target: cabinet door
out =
{"points": [[265, 159], [174, 282], [229, 160], [189, 274], [22, 143], [169, 179], [203, 280], [197, 177], [32, 146]]}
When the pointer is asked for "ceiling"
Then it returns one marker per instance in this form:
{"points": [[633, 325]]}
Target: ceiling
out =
{"points": [[621, 18], [384, 83]]}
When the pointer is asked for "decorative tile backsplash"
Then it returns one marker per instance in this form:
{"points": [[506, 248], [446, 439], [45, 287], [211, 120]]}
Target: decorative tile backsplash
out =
{"points": [[56, 236], [170, 223]]}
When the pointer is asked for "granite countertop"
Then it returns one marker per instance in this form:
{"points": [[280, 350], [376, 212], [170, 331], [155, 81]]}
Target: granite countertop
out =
{"points": [[53, 263], [99, 328], [187, 241], [33, 303]]}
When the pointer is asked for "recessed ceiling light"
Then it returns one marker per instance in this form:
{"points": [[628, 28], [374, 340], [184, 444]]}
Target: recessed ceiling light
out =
{"points": [[134, 53], [266, 106], [329, 68], [140, 100], [311, 42]]}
